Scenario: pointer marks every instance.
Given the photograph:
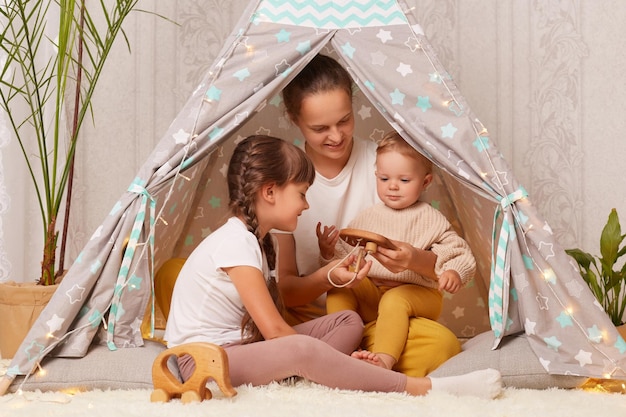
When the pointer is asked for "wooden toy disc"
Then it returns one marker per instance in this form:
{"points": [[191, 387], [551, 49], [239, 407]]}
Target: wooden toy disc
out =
{"points": [[357, 237]]}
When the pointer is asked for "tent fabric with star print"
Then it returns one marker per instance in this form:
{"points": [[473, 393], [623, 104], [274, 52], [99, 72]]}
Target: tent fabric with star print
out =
{"points": [[525, 279]]}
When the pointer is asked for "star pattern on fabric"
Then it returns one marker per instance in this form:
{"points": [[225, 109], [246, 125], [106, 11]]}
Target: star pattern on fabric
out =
{"points": [[348, 50], [574, 288], [434, 77], [282, 67], [369, 85], [413, 44], [283, 36], [94, 318], [215, 202], [397, 97], [583, 358], [549, 276], [34, 350], [564, 319], [134, 283], [303, 47], [241, 117], [199, 213], [542, 301], [547, 249], [378, 58], [528, 262], [214, 93], [181, 137], [458, 312], [553, 343], [529, 326], [54, 323], [206, 231], [216, 133], [136, 325], [75, 294], [365, 112], [384, 35], [242, 74], [189, 240], [481, 143], [521, 282], [404, 69], [594, 334], [620, 345], [423, 102], [448, 131]]}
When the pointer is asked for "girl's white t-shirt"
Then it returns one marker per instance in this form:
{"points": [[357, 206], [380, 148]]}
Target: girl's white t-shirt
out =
{"points": [[336, 201], [206, 306]]}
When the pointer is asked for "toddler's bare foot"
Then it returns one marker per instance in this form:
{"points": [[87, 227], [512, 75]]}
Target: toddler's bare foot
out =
{"points": [[378, 359]]}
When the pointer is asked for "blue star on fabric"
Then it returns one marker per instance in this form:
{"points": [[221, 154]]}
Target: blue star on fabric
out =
{"points": [[423, 103], [95, 318], [348, 50], [303, 47], [242, 74], [553, 343], [448, 131], [117, 207], [594, 334], [215, 202], [95, 266], [134, 283], [369, 85], [397, 97], [564, 319], [528, 262], [481, 143], [189, 240], [283, 36], [620, 345], [276, 100], [214, 93], [216, 132]]}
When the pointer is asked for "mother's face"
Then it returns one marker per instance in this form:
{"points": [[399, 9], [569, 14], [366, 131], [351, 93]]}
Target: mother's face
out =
{"points": [[327, 122]]}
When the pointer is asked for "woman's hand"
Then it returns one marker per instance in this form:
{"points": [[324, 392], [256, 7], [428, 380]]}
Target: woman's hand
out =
{"points": [[327, 239]]}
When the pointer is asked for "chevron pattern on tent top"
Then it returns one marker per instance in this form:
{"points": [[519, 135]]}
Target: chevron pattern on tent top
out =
{"points": [[331, 14]]}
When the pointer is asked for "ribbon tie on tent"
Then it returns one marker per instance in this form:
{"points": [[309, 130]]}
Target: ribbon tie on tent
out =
{"points": [[498, 286], [122, 277]]}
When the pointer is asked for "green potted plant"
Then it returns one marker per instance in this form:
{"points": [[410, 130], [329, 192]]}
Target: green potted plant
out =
{"points": [[603, 274], [51, 58]]}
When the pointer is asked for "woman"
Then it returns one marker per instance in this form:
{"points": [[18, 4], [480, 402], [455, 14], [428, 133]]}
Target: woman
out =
{"points": [[319, 102]]}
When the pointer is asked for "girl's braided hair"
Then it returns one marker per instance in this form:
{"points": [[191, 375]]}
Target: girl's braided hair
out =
{"points": [[259, 160]]}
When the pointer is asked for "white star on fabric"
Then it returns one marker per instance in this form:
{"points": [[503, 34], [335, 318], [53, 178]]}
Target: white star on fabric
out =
{"points": [[241, 117], [404, 69], [574, 288], [75, 294], [545, 363], [378, 58], [521, 282], [529, 326], [365, 112], [542, 301], [303, 47], [54, 323], [224, 170], [458, 312], [583, 358], [136, 325], [548, 247], [384, 35]]}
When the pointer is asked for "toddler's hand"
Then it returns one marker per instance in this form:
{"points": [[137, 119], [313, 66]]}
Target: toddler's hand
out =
{"points": [[327, 239], [450, 281]]}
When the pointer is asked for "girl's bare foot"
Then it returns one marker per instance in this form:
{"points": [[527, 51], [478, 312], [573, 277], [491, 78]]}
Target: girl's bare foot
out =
{"points": [[379, 359]]}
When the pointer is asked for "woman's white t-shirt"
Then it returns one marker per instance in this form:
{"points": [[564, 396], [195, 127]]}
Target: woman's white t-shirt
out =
{"points": [[336, 201], [206, 306]]}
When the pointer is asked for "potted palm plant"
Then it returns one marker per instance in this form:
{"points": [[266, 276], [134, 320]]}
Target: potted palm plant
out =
{"points": [[51, 58], [603, 274]]}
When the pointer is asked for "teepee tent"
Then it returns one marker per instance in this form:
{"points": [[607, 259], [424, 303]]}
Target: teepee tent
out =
{"points": [[527, 281]]}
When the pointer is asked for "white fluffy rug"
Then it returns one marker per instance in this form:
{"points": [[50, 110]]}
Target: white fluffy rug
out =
{"points": [[307, 399]]}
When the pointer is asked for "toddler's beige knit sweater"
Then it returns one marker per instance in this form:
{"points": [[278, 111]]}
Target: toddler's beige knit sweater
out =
{"points": [[423, 227]]}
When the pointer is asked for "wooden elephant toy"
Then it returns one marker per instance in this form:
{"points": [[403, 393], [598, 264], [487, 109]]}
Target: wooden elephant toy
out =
{"points": [[211, 362]]}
